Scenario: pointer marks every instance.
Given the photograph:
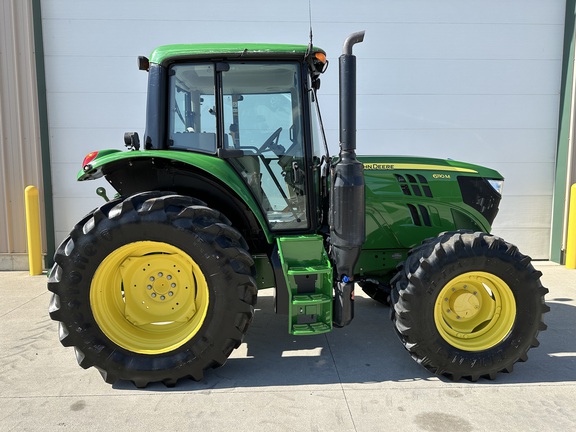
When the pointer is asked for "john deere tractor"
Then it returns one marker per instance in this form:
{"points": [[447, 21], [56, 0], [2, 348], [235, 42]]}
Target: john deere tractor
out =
{"points": [[232, 190]]}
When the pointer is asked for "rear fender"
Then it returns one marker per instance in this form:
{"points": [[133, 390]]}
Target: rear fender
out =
{"points": [[209, 178]]}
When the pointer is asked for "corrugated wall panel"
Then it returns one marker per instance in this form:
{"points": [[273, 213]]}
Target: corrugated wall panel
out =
{"points": [[20, 160], [462, 79]]}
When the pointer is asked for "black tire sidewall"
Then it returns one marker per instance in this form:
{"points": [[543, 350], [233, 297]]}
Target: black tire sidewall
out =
{"points": [[89, 250], [417, 293]]}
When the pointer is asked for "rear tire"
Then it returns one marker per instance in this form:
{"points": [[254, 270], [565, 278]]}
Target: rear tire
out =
{"points": [[153, 288], [468, 305]]}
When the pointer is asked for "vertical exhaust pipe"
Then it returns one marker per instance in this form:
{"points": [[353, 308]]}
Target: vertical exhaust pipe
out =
{"points": [[347, 200], [348, 94]]}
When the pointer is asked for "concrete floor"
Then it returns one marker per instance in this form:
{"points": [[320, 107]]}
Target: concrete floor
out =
{"points": [[358, 378]]}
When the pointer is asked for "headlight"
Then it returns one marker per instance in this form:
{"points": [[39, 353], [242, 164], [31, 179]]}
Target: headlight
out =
{"points": [[498, 185]]}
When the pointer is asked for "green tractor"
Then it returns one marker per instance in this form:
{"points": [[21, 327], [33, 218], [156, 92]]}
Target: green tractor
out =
{"points": [[232, 190]]}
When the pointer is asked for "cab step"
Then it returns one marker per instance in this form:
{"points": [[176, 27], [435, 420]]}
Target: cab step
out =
{"points": [[308, 275]]}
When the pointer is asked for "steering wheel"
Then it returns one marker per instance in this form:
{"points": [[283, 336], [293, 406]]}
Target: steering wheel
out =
{"points": [[272, 142]]}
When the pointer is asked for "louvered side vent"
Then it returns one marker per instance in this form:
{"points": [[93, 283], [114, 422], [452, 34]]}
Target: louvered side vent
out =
{"points": [[414, 185], [420, 215], [425, 215], [415, 216], [403, 184]]}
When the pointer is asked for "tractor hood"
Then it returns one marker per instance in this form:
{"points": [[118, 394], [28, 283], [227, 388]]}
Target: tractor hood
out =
{"points": [[410, 198], [436, 168]]}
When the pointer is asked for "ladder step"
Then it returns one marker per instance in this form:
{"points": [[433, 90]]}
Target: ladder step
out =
{"points": [[308, 329], [312, 298], [321, 269]]}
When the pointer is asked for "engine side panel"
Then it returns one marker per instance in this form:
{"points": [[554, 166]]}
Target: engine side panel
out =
{"points": [[411, 199]]}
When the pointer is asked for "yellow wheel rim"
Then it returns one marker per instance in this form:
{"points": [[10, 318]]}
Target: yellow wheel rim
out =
{"points": [[475, 311], [149, 297]]}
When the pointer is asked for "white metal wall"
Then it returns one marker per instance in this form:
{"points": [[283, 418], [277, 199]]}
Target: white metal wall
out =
{"points": [[465, 79]]}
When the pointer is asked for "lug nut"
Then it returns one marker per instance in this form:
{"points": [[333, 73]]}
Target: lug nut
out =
{"points": [[160, 274], [152, 278], [149, 287], [153, 295]]}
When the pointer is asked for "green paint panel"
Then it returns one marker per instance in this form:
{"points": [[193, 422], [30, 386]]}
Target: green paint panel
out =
{"points": [[168, 53], [432, 165], [264, 272]]}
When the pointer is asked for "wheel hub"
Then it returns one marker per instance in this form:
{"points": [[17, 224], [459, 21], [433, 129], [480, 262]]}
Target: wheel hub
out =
{"points": [[463, 303], [149, 297], [158, 288], [475, 311]]}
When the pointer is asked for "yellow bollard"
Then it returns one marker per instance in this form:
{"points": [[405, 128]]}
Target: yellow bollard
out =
{"points": [[571, 237], [33, 230]]}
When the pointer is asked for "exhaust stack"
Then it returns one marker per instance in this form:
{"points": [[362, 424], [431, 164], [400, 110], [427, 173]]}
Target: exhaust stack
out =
{"points": [[347, 201]]}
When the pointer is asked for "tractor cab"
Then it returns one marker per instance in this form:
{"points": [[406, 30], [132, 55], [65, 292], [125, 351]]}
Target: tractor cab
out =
{"points": [[255, 112]]}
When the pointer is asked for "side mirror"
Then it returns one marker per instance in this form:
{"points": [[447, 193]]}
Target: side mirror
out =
{"points": [[132, 140], [143, 63]]}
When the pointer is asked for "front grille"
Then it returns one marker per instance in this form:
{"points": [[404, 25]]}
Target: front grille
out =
{"points": [[480, 195]]}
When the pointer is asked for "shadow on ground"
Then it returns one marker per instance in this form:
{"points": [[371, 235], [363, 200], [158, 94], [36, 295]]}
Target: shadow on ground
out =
{"points": [[367, 351]]}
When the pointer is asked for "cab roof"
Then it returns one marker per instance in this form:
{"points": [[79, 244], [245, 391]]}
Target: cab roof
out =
{"points": [[167, 53]]}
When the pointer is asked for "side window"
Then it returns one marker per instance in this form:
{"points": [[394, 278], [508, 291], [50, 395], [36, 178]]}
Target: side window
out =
{"points": [[317, 139], [320, 164], [192, 121]]}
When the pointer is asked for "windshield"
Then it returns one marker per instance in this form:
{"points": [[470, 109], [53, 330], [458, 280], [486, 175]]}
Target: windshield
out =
{"points": [[260, 114]]}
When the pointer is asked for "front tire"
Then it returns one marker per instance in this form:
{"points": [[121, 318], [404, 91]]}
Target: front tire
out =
{"points": [[376, 292], [468, 305], [153, 288]]}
